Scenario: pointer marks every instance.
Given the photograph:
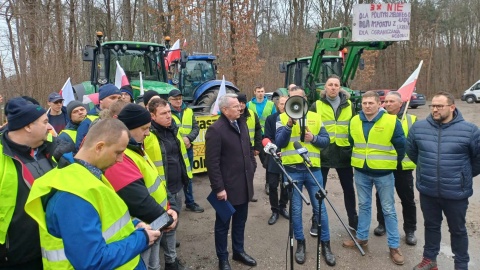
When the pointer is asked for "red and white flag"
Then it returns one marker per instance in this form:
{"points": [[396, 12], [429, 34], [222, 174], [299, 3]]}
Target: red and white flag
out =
{"points": [[173, 53], [408, 87], [92, 98], [67, 93], [120, 77], [223, 90]]}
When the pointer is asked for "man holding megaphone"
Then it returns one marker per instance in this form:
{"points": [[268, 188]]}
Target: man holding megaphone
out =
{"points": [[298, 125]]}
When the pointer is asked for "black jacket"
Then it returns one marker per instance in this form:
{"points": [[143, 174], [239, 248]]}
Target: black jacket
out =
{"points": [[334, 156], [23, 240]]}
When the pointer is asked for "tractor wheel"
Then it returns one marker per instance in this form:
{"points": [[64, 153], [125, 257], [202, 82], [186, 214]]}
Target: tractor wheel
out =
{"points": [[470, 99], [208, 98]]}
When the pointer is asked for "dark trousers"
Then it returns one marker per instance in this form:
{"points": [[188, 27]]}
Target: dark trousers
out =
{"points": [[239, 218], [455, 212], [346, 181], [404, 187], [273, 179]]}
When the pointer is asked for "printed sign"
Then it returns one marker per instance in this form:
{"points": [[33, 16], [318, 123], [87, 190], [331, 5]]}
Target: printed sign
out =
{"points": [[199, 144], [381, 22]]}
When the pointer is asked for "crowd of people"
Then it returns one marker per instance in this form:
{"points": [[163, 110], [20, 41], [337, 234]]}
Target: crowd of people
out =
{"points": [[83, 188]]}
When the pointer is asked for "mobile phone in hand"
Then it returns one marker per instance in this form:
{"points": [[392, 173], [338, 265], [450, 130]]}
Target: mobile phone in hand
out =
{"points": [[162, 222]]}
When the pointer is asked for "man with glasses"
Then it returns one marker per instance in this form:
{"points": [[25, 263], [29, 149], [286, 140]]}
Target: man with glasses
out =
{"points": [[188, 128], [230, 164], [446, 149], [57, 113]]}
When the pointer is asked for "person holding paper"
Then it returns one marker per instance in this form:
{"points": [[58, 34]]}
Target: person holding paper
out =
{"points": [[229, 162]]}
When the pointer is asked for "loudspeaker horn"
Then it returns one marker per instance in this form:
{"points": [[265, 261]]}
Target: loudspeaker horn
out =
{"points": [[296, 107]]}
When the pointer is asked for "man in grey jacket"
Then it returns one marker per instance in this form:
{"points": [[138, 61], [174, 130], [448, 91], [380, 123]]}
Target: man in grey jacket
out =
{"points": [[446, 149]]}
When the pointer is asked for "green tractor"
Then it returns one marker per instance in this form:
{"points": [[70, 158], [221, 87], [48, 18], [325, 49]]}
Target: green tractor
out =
{"points": [[311, 73], [134, 57]]}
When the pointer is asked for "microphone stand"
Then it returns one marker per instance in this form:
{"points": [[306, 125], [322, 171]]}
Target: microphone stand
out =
{"points": [[290, 185], [320, 195]]}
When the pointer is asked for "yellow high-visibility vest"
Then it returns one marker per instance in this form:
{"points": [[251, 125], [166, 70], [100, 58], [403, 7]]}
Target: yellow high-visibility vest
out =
{"points": [[407, 123], [113, 212], [378, 152], [289, 153], [337, 129]]}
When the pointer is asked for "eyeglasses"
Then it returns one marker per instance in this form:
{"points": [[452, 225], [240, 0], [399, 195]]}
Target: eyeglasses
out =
{"points": [[438, 107], [58, 102]]}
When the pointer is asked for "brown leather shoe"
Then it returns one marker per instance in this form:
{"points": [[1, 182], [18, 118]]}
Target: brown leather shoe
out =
{"points": [[396, 256], [350, 244]]}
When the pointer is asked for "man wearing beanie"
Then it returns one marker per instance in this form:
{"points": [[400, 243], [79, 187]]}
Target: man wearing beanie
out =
{"points": [[165, 146], [150, 94], [188, 128], [137, 181], [254, 128], [76, 112], [127, 93], [26, 154], [107, 94]]}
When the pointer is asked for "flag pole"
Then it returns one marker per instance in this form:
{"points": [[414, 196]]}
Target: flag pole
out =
{"points": [[406, 109], [141, 84]]}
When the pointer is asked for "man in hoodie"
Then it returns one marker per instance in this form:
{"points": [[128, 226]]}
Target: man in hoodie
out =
{"points": [[403, 176], [76, 112], [336, 110], [107, 94], [165, 146], [188, 128], [57, 113], [263, 108], [446, 149]]}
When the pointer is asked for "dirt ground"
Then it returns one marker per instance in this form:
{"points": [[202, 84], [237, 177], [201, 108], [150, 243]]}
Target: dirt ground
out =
{"points": [[269, 245]]}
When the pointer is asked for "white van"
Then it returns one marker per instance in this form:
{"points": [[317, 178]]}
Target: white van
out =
{"points": [[472, 94]]}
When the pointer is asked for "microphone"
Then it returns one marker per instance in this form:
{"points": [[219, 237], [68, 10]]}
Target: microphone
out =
{"points": [[302, 151], [270, 148]]}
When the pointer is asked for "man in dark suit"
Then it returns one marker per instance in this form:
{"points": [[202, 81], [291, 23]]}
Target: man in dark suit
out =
{"points": [[229, 162]]}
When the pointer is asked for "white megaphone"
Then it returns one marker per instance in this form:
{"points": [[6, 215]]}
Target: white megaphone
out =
{"points": [[296, 107]]}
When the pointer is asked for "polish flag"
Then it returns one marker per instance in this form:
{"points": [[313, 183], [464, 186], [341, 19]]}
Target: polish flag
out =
{"points": [[173, 53], [67, 92], [214, 110], [92, 98], [408, 87], [120, 77]]}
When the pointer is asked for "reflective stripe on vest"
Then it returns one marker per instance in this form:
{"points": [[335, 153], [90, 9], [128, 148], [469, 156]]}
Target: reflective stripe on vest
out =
{"points": [[115, 219], [8, 192], [186, 123], [407, 123], [152, 148], [337, 129], [289, 154], [267, 110], [251, 126], [71, 133], [378, 152], [155, 184]]}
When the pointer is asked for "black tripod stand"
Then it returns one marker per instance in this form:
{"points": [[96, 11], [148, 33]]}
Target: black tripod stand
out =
{"points": [[320, 196], [290, 185]]}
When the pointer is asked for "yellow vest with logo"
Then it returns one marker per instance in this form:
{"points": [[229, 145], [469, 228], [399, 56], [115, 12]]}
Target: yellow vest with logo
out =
{"points": [[71, 133], [251, 126], [8, 192], [185, 124], [378, 152], [267, 110], [407, 123], [337, 129], [156, 184], [289, 153], [113, 212], [152, 148]]}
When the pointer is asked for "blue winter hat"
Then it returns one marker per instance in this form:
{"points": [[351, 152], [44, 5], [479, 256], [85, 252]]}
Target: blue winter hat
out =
{"points": [[127, 89], [22, 112], [107, 90]]}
